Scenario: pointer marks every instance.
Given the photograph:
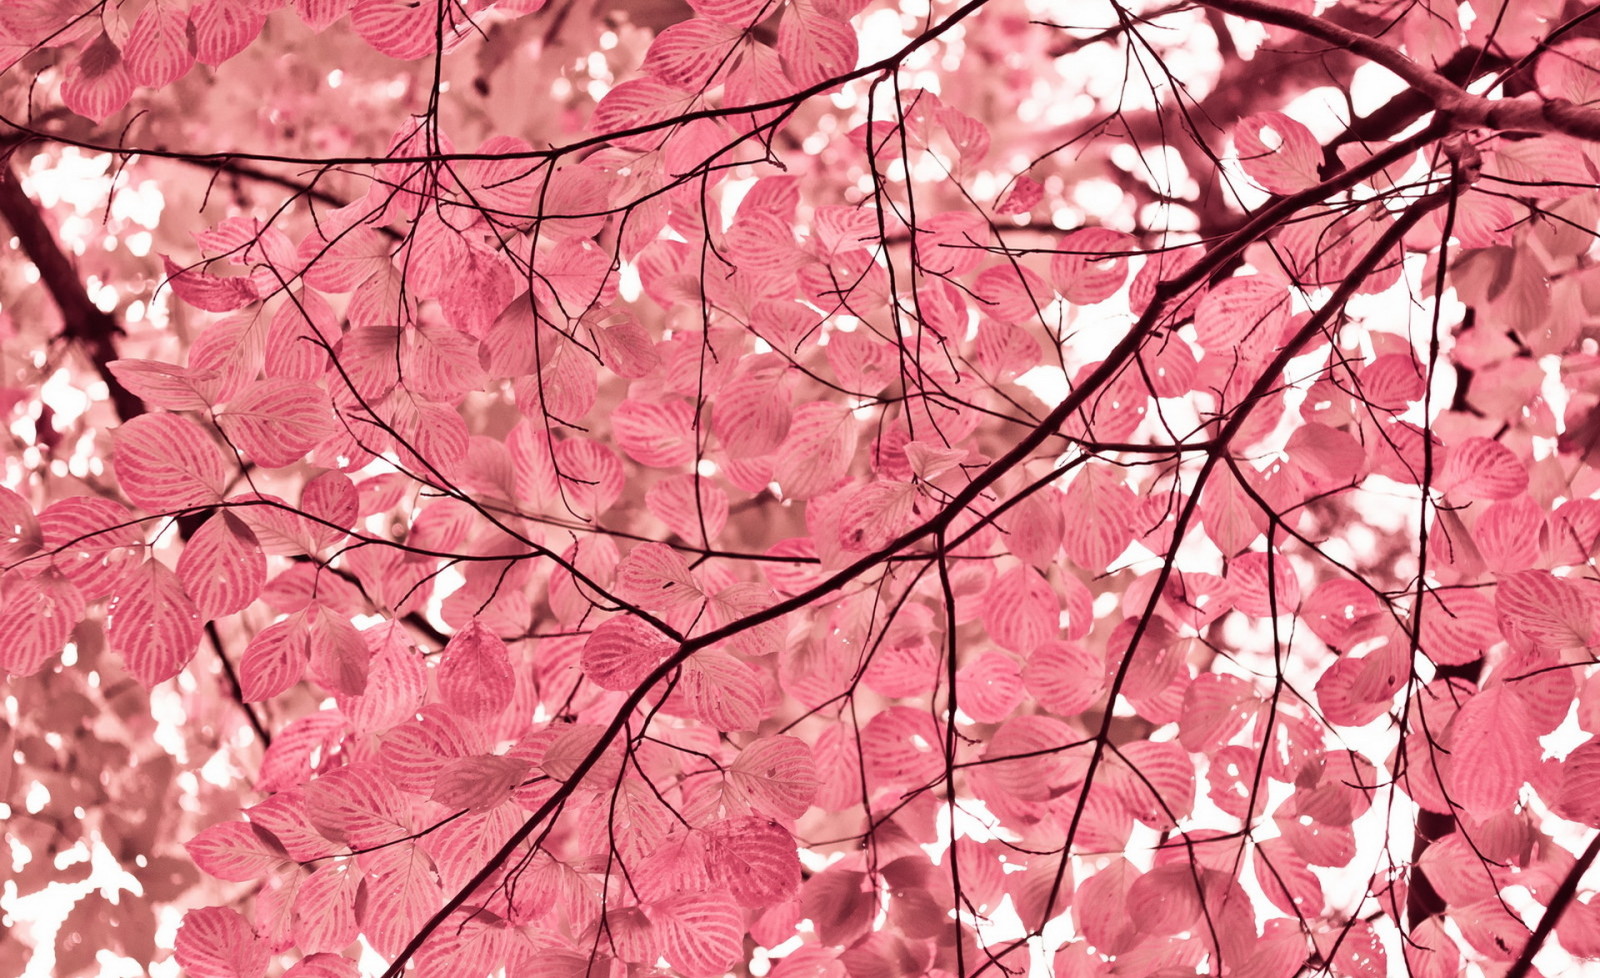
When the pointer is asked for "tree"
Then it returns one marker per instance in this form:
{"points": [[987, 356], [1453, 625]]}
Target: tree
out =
{"points": [[823, 487]]}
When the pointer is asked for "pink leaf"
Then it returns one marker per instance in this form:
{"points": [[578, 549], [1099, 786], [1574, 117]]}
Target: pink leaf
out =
{"points": [[701, 933], [97, 84], [158, 51], [166, 386], [414, 752], [1458, 626], [1034, 527], [591, 476], [166, 462], [215, 942], [1286, 879], [775, 776], [1064, 677], [723, 691], [275, 659], [1255, 306], [754, 858], [817, 452], [1021, 197], [338, 654], [1156, 781], [1341, 612], [1546, 608], [622, 651], [358, 806], [1508, 533], [658, 435], [1492, 750], [20, 535], [1020, 610], [325, 908], [875, 514], [288, 762], [396, 681], [1012, 293], [735, 13], [275, 422], [1100, 516], [400, 29], [689, 53], [238, 851], [223, 28], [990, 687], [475, 677], [282, 816], [636, 104], [478, 783], [319, 15], [1277, 152], [222, 567], [96, 542], [657, 577], [325, 965], [1091, 264], [902, 748], [471, 941], [403, 891], [37, 614], [694, 508], [1480, 468], [814, 47], [153, 625], [1216, 707], [341, 262], [1250, 573], [213, 293]]}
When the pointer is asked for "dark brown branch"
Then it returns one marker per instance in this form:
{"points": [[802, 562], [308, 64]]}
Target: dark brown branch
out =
{"points": [[1536, 115], [1559, 901], [81, 319], [235, 688]]}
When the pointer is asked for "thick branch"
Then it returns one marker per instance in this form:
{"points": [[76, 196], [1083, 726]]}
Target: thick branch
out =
{"points": [[1533, 114], [81, 319]]}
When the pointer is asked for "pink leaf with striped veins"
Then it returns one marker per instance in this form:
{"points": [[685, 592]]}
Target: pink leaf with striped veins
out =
{"points": [[1277, 152], [153, 625], [358, 806], [1480, 468], [37, 616], [215, 942], [689, 53], [701, 933], [814, 47], [1020, 610], [238, 851], [167, 462], [622, 651], [775, 776], [157, 50], [475, 677], [657, 577], [754, 858], [221, 29]]}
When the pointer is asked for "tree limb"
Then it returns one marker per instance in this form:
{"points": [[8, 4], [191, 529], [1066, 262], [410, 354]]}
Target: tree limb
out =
{"points": [[81, 319], [1533, 114]]}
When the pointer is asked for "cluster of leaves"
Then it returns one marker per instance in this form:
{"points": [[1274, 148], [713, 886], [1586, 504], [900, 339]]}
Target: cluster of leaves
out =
{"points": [[589, 533]]}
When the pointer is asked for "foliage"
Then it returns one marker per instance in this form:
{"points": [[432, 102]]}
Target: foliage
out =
{"points": [[816, 487]]}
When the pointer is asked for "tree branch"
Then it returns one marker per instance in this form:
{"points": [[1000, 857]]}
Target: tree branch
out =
{"points": [[1533, 114], [81, 319], [1559, 901]]}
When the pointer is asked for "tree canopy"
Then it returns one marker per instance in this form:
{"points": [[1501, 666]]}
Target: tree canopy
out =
{"points": [[834, 488]]}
